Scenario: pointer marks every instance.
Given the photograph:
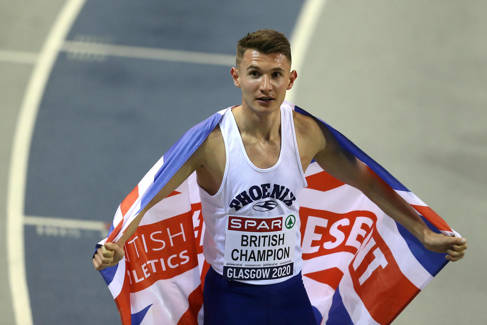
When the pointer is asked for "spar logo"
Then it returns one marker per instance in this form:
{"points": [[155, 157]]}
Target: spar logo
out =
{"points": [[290, 221], [254, 224]]}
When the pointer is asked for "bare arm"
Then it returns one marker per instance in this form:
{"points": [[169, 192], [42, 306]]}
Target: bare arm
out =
{"points": [[181, 175], [111, 253], [332, 158], [209, 163], [355, 173]]}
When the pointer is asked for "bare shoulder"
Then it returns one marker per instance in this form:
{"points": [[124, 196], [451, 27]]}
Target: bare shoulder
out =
{"points": [[214, 141], [214, 136], [308, 130], [211, 148], [210, 162], [309, 137]]}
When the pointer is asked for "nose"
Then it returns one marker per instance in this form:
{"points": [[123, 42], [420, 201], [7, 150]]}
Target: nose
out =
{"points": [[265, 84]]}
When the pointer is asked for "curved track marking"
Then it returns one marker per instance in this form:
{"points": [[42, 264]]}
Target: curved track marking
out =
{"points": [[20, 156], [302, 33]]}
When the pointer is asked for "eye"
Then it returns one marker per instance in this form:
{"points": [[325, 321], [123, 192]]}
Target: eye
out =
{"points": [[276, 74], [254, 73]]}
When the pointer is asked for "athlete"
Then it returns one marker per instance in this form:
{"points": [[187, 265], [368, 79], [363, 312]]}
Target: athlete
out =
{"points": [[260, 148]]}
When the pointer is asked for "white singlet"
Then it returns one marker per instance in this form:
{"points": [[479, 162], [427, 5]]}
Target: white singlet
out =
{"points": [[252, 230]]}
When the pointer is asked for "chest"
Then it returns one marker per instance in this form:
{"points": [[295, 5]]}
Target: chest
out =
{"points": [[263, 154], [266, 154]]}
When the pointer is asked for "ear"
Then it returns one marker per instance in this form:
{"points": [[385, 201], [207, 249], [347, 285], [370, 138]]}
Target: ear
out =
{"points": [[235, 76], [292, 77]]}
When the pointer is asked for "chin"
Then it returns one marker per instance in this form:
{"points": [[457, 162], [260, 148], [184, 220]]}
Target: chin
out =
{"points": [[267, 107]]}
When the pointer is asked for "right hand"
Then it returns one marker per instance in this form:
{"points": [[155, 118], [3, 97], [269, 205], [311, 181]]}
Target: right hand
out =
{"points": [[107, 255], [454, 247]]}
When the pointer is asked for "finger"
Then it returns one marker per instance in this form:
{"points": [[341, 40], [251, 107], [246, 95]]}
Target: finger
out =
{"points": [[97, 261], [115, 249], [102, 260], [111, 246], [118, 248], [453, 253], [455, 256], [97, 258], [459, 248], [454, 259], [107, 252], [459, 240], [107, 261]]}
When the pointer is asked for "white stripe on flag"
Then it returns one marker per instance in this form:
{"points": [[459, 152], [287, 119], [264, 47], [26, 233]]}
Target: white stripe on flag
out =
{"points": [[117, 282], [408, 264], [169, 207], [353, 304], [340, 260], [167, 298], [342, 199], [128, 218], [411, 198], [117, 218], [148, 179], [313, 168], [321, 296]]}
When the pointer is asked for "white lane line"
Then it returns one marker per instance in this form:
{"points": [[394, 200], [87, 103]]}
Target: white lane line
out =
{"points": [[65, 223], [59, 227], [81, 48], [20, 156], [18, 57], [301, 37]]}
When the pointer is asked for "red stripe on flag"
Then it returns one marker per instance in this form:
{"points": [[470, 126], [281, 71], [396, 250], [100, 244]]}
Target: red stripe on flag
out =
{"points": [[434, 218], [173, 193], [330, 277], [323, 181], [379, 282], [123, 303], [197, 226], [115, 232], [129, 200], [195, 299]]}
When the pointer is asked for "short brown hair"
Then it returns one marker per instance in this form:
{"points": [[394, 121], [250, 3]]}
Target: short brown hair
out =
{"points": [[266, 41]]}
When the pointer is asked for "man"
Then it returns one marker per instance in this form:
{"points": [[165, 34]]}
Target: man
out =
{"points": [[249, 167]]}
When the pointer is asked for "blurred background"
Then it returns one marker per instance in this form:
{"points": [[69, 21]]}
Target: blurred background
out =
{"points": [[93, 92]]}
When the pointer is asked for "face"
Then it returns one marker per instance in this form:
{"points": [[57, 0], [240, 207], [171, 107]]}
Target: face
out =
{"points": [[263, 80]]}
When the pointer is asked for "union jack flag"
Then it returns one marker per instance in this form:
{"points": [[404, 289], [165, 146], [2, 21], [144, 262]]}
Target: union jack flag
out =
{"points": [[360, 266]]}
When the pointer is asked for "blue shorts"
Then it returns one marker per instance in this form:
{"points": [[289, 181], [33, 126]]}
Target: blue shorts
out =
{"points": [[230, 302]]}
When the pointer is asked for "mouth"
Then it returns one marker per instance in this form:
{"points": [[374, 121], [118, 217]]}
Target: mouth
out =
{"points": [[265, 99]]}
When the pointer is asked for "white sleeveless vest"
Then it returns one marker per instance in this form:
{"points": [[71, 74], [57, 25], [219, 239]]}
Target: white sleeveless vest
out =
{"points": [[252, 223]]}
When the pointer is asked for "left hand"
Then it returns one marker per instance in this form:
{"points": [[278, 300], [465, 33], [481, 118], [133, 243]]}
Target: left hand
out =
{"points": [[454, 247], [107, 255]]}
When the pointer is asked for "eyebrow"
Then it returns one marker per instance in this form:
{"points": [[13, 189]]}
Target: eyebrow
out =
{"points": [[250, 67]]}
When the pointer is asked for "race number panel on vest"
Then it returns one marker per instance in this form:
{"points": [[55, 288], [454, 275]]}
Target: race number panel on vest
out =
{"points": [[259, 248]]}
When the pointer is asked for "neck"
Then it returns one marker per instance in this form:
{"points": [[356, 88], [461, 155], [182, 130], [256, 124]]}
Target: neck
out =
{"points": [[261, 125]]}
